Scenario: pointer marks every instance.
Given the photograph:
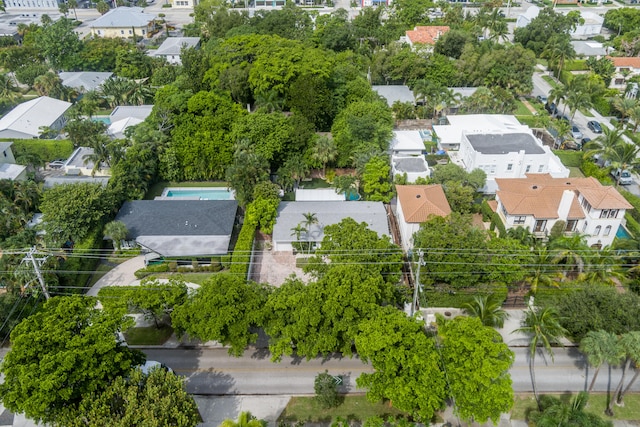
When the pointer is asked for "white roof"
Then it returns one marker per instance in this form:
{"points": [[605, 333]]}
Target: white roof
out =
{"points": [[124, 17], [591, 18], [30, 116], [290, 214], [393, 93], [89, 80], [407, 140], [173, 45], [125, 111], [10, 170], [117, 129], [318, 194], [477, 123]]}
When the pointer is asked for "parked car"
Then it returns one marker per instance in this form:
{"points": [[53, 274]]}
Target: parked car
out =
{"points": [[623, 177], [576, 133], [56, 164], [585, 140], [551, 108], [542, 99], [152, 364], [594, 126], [571, 145]]}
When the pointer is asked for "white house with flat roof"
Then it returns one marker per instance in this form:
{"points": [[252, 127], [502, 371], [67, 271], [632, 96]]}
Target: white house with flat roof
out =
{"points": [[26, 120], [497, 144], [171, 48], [8, 167], [407, 155], [79, 163], [291, 214]]}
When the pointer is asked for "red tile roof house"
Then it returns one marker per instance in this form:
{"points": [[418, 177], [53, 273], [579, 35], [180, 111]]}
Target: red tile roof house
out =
{"points": [[416, 204], [624, 63], [538, 201], [425, 36]]}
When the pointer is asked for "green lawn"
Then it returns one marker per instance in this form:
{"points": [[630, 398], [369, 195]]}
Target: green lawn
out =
{"points": [[148, 335], [156, 189], [575, 172], [571, 159], [551, 81], [522, 110], [587, 113], [597, 404], [197, 278], [314, 183], [352, 408]]}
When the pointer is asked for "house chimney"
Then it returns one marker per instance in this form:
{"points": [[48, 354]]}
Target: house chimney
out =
{"points": [[565, 204]]}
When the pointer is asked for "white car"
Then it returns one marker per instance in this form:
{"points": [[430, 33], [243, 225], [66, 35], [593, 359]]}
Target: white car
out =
{"points": [[623, 177], [149, 365]]}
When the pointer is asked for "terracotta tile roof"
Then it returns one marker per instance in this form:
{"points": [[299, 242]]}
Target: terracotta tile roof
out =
{"points": [[493, 204], [540, 195], [625, 61], [426, 35], [419, 202]]}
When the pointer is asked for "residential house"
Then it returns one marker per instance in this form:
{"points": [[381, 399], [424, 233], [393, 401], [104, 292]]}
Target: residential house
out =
{"points": [[124, 22], [180, 228], [625, 68], [424, 36], [116, 129], [291, 214], [184, 4], [84, 81], [539, 201], [126, 111], [171, 48], [497, 144], [393, 93], [589, 48], [26, 120], [8, 167], [79, 164], [407, 151], [416, 204]]}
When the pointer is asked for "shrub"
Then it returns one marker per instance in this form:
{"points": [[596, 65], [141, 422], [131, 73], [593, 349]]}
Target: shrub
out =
{"points": [[242, 252], [602, 106], [635, 202], [589, 168], [445, 296], [40, 150], [486, 210], [173, 266], [632, 225], [78, 268], [496, 222], [150, 269]]}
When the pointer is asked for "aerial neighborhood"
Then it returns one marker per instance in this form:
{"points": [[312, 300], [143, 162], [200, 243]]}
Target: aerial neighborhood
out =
{"points": [[281, 213]]}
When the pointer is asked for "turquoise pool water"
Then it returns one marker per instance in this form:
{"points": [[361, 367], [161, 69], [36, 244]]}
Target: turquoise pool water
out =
{"points": [[199, 193], [622, 233], [105, 120]]}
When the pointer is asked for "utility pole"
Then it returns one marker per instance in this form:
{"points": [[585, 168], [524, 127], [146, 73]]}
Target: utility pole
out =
{"points": [[416, 286], [37, 262]]}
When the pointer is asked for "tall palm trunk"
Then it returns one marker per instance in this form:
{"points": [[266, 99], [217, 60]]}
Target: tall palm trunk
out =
{"points": [[619, 395], [593, 381], [614, 397], [633, 380], [532, 371]]}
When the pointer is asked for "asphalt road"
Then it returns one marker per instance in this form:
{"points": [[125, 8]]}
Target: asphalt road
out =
{"points": [[213, 372]]}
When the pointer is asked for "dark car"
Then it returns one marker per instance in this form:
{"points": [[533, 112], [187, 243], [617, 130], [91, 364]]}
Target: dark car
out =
{"points": [[571, 145], [594, 126], [551, 108], [542, 99]]}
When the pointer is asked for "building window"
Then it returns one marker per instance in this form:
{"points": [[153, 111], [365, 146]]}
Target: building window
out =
{"points": [[144, 32], [519, 219], [493, 170], [504, 210], [121, 31], [540, 225], [540, 168], [585, 205], [584, 227], [510, 166], [571, 225], [596, 232], [607, 230], [604, 213], [4, 153], [130, 32], [528, 169], [613, 213]]}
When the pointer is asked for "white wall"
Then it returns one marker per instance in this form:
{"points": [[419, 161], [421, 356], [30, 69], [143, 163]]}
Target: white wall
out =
{"points": [[407, 230]]}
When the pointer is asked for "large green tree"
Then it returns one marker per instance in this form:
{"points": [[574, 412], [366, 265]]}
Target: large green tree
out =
{"points": [[59, 44], [481, 386], [60, 354], [226, 309], [406, 362], [71, 211], [156, 399]]}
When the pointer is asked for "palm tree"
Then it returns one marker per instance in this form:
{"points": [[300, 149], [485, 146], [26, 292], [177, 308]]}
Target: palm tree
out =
{"points": [[310, 219], [570, 252], [488, 308], [542, 271], [245, 419], [558, 51], [624, 106], [297, 231], [630, 344], [523, 235], [101, 153], [563, 128], [544, 329], [578, 99], [557, 94], [116, 231], [324, 151], [624, 156], [270, 101], [8, 89], [603, 266], [49, 84], [73, 4], [605, 144], [634, 116], [599, 347]]}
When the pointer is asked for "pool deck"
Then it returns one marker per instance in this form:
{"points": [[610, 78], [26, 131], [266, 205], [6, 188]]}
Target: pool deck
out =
{"points": [[193, 193]]}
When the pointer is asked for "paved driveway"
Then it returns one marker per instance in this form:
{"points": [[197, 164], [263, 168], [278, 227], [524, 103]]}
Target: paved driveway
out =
{"points": [[122, 275]]}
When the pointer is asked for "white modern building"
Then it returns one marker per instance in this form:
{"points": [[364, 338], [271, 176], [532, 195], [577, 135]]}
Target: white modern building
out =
{"points": [[417, 204], [171, 48], [539, 201], [407, 155], [26, 120], [8, 167], [497, 144]]}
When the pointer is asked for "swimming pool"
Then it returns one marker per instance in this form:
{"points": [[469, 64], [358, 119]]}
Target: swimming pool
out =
{"points": [[104, 119], [200, 193], [622, 233]]}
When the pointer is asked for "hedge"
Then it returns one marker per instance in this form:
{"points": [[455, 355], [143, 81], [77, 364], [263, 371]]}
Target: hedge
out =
{"points": [[45, 150], [635, 202], [632, 225], [486, 210], [242, 251], [78, 266], [150, 269], [496, 222], [456, 298], [589, 168]]}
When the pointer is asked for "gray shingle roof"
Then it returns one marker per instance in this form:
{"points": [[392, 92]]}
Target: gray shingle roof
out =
{"points": [[89, 80], [173, 45], [178, 217]]}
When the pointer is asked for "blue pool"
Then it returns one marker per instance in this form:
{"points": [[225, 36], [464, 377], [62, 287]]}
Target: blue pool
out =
{"points": [[104, 119], [622, 233], [205, 193]]}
